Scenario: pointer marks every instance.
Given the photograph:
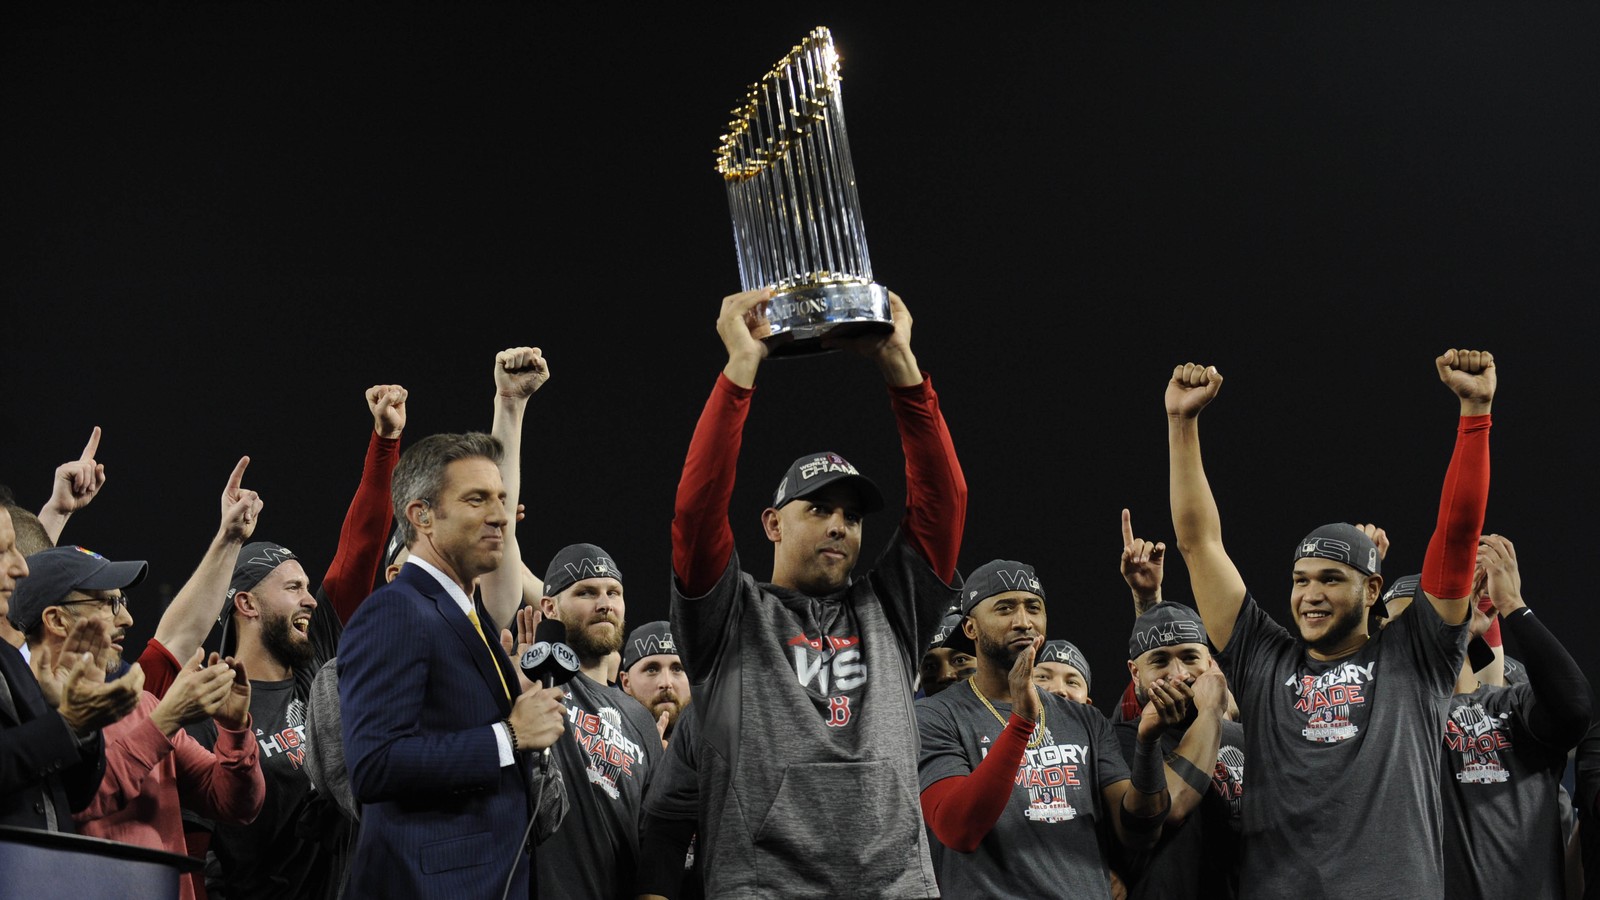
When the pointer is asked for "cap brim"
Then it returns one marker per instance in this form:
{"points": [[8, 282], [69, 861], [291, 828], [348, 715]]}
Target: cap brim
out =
{"points": [[870, 497], [958, 641], [116, 576]]}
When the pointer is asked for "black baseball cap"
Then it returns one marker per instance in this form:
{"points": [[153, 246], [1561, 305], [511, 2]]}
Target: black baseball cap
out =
{"points": [[815, 471], [575, 562], [649, 639], [1404, 586], [58, 571], [1166, 624], [1065, 652], [998, 576], [949, 635], [1341, 543]]}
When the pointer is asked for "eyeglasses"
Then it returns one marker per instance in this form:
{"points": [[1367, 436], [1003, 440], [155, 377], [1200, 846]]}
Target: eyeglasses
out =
{"points": [[118, 604]]}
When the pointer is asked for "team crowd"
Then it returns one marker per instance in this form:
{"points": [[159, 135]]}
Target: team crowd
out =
{"points": [[430, 718]]}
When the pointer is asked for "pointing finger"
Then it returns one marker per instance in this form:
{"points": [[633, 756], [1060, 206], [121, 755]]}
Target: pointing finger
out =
{"points": [[92, 447], [1127, 528], [237, 477]]}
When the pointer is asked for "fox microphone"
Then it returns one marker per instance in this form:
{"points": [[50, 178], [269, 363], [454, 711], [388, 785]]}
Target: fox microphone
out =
{"points": [[550, 661]]}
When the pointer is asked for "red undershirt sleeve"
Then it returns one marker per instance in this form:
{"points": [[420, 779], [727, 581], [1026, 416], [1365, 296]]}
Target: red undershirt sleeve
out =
{"points": [[1130, 702], [962, 809], [1453, 549], [702, 539], [936, 488], [354, 569]]}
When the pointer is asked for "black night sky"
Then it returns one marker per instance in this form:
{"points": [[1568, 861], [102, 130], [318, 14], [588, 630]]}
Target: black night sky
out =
{"points": [[222, 221]]}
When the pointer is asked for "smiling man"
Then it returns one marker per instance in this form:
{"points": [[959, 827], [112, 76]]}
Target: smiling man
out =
{"points": [[1343, 724], [154, 768], [438, 735], [607, 759]]}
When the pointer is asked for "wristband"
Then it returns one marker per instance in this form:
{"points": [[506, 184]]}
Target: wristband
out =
{"points": [[511, 732], [1190, 773], [1147, 774]]}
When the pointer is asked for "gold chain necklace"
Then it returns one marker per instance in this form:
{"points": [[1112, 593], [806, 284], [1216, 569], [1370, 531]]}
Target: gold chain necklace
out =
{"points": [[1036, 739]]}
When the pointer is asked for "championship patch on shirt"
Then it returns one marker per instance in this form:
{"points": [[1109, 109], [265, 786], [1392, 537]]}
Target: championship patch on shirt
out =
{"points": [[1050, 775], [833, 666], [1228, 776], [1332, 700], [1478, 736], [609, 754]]}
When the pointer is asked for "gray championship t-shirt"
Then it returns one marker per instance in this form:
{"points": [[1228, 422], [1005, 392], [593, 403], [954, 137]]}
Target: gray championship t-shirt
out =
{"points": [[605, 759], [808, 746], [1046, 842], [1502, 824], [1198, 858], [1344, 792]]}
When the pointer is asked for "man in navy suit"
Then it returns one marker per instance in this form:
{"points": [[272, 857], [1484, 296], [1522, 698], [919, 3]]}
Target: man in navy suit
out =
{"points": [[437, 729]]}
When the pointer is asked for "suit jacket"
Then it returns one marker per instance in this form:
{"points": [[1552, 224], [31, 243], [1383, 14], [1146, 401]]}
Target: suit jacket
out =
{"points": [[418, 690], [41, 760]]}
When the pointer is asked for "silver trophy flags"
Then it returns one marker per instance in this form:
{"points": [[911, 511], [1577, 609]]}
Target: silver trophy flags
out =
{"points": [[796, 216]]}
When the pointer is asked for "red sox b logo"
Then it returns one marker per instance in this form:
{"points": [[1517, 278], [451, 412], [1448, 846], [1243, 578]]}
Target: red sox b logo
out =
{"points": [[838, 712]]}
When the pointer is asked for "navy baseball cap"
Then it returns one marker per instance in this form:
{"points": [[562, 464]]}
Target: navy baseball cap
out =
{"points": [[649, 639], [815, 471], [1341, 543], [997, 576], [58, 571]]}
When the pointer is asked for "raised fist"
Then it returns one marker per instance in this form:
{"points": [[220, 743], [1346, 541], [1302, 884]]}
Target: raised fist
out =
{"points": [[1191, 388], [387, 402], [1470, 374], [519, 371]]}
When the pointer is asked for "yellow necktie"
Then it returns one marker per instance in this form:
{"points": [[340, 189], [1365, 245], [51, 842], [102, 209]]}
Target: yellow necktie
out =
{"points": [[472, 615]]}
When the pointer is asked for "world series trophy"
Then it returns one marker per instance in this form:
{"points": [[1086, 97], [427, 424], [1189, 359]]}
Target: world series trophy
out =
{"points": [[796, 216]]}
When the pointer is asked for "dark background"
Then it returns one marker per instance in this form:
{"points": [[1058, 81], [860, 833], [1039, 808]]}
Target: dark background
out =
{"points": [[222, 222]]}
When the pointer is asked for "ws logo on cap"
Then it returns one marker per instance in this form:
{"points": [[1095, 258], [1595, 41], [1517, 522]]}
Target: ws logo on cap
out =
{"points": [[597, 567], [654, 645]]}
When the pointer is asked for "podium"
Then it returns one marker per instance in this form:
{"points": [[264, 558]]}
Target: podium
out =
{"points": [[35, 863]]}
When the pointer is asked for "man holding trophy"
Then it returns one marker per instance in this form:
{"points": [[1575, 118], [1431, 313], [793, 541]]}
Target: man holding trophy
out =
{"points": [[804, 682]]}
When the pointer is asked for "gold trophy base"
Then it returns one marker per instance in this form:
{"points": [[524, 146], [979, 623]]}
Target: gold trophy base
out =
{"points": [[796, 320]]}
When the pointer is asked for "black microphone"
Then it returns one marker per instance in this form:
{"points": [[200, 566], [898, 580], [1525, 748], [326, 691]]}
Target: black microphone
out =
{"points": [[550, 661]]}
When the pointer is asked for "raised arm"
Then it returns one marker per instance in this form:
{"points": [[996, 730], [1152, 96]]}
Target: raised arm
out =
{"points": [[518, 373], [1218, 588], [1452, 550], [75, 486], [189, 617], [366, 523], [936, 488], [1563, 706], [702, 540]]}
